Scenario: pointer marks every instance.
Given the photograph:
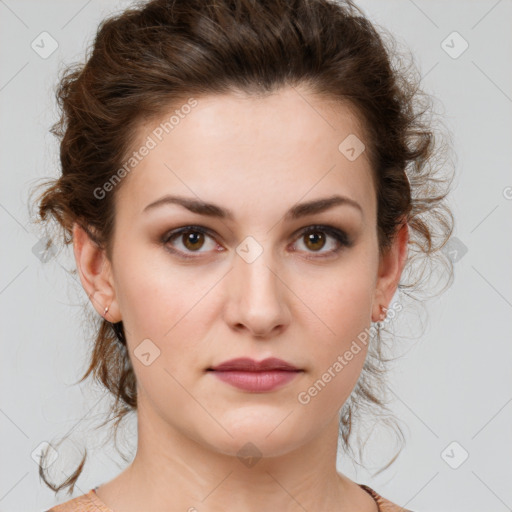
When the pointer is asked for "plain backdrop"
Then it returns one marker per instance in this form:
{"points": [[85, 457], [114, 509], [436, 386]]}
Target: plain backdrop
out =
{"points": [[452, 386]]}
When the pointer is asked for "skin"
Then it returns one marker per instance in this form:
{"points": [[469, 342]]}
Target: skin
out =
{"points": [[257, 156]]}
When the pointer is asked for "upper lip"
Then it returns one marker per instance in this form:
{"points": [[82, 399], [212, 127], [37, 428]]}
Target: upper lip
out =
{"points": [[247, 364]]}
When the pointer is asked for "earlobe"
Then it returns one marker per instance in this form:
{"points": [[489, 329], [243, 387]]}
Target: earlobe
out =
{"points": [[391, 265], [94, 269]]}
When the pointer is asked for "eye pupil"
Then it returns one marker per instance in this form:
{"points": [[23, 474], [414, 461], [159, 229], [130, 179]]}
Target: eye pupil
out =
{"points": [[191, 238], [313, 238]]}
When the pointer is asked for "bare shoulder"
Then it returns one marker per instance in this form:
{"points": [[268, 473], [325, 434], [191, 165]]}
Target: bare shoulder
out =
{"points": [[85, 503], [384, 505]]}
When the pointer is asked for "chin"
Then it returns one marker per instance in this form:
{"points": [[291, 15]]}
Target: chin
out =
{"points": [[269, 437]]}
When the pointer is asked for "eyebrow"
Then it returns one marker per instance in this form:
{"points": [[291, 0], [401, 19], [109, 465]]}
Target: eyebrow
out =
{"points": [[213, 210]]}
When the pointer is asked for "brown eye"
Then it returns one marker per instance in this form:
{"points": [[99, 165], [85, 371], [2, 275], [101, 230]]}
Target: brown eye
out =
{"points": [[189, 239], [193, 240], [314, 240]]}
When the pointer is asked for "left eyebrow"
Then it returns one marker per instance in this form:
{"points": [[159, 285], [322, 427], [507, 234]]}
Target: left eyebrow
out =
{"points": [[296, 212]]}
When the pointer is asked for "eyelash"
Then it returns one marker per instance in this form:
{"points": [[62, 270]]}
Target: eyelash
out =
{"points": [[340, 236]]}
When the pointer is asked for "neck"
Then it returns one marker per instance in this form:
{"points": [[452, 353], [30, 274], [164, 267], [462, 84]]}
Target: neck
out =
{"points": [[172, 471]]}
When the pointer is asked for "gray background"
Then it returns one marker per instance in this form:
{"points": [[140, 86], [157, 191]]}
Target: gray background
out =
{"points": [[453, 384]]}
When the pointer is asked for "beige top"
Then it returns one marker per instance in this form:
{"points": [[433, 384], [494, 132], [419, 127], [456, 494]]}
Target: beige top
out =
{"points": [[91, 503]]}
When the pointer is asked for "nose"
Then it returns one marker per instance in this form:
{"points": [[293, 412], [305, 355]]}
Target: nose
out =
{"points": [[258, 297]]}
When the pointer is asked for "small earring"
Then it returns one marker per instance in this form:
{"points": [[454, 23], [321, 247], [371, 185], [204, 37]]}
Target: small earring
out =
{"points": [[383, 312], [105, 312]]}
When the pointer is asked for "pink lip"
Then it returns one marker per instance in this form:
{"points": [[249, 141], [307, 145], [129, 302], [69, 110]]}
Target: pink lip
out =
{"points": [[254, 376], [246, 364]]}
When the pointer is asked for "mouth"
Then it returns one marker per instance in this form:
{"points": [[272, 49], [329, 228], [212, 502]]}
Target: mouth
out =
{"points": [[256, 377], [257, 381], [246, 364]]}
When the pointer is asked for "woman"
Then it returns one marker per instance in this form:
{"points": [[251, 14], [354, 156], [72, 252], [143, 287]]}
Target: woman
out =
{"points": [[244, 184]]}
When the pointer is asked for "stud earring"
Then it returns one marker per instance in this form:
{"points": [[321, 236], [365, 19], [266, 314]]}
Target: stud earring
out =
{"points": [[105, 312], [383, 312]]}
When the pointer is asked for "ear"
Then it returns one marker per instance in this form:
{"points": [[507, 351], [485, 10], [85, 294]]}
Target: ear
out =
{"points": [[391, 265], [95, 274]]}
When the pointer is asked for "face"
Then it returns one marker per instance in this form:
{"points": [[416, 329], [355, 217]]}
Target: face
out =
{"points": [[256, 275]]}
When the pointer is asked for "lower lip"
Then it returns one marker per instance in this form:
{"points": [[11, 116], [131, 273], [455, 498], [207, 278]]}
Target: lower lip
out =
{"points": [[256, 381]]}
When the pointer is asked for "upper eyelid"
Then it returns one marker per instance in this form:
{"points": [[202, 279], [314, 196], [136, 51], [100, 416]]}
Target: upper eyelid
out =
{"points": [[212, 233]]}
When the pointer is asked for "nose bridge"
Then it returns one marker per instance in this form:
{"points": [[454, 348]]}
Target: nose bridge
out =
{"points": [[258, 302], [255, 266]]}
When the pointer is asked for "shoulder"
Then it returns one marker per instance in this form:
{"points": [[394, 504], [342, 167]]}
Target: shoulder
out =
{"points": [[91, 503], [85, 503], [383, 504]]}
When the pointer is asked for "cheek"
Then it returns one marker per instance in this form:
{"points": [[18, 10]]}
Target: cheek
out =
{"points": [[336, 368], [163, 305], [169, 306], [154, 295], [344, 306]]}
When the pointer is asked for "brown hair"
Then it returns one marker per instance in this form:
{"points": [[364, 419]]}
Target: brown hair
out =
{"points": [[157, 53]]}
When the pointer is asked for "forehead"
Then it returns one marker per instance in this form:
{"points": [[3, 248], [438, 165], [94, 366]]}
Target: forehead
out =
{"points": [[249, 150]]}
